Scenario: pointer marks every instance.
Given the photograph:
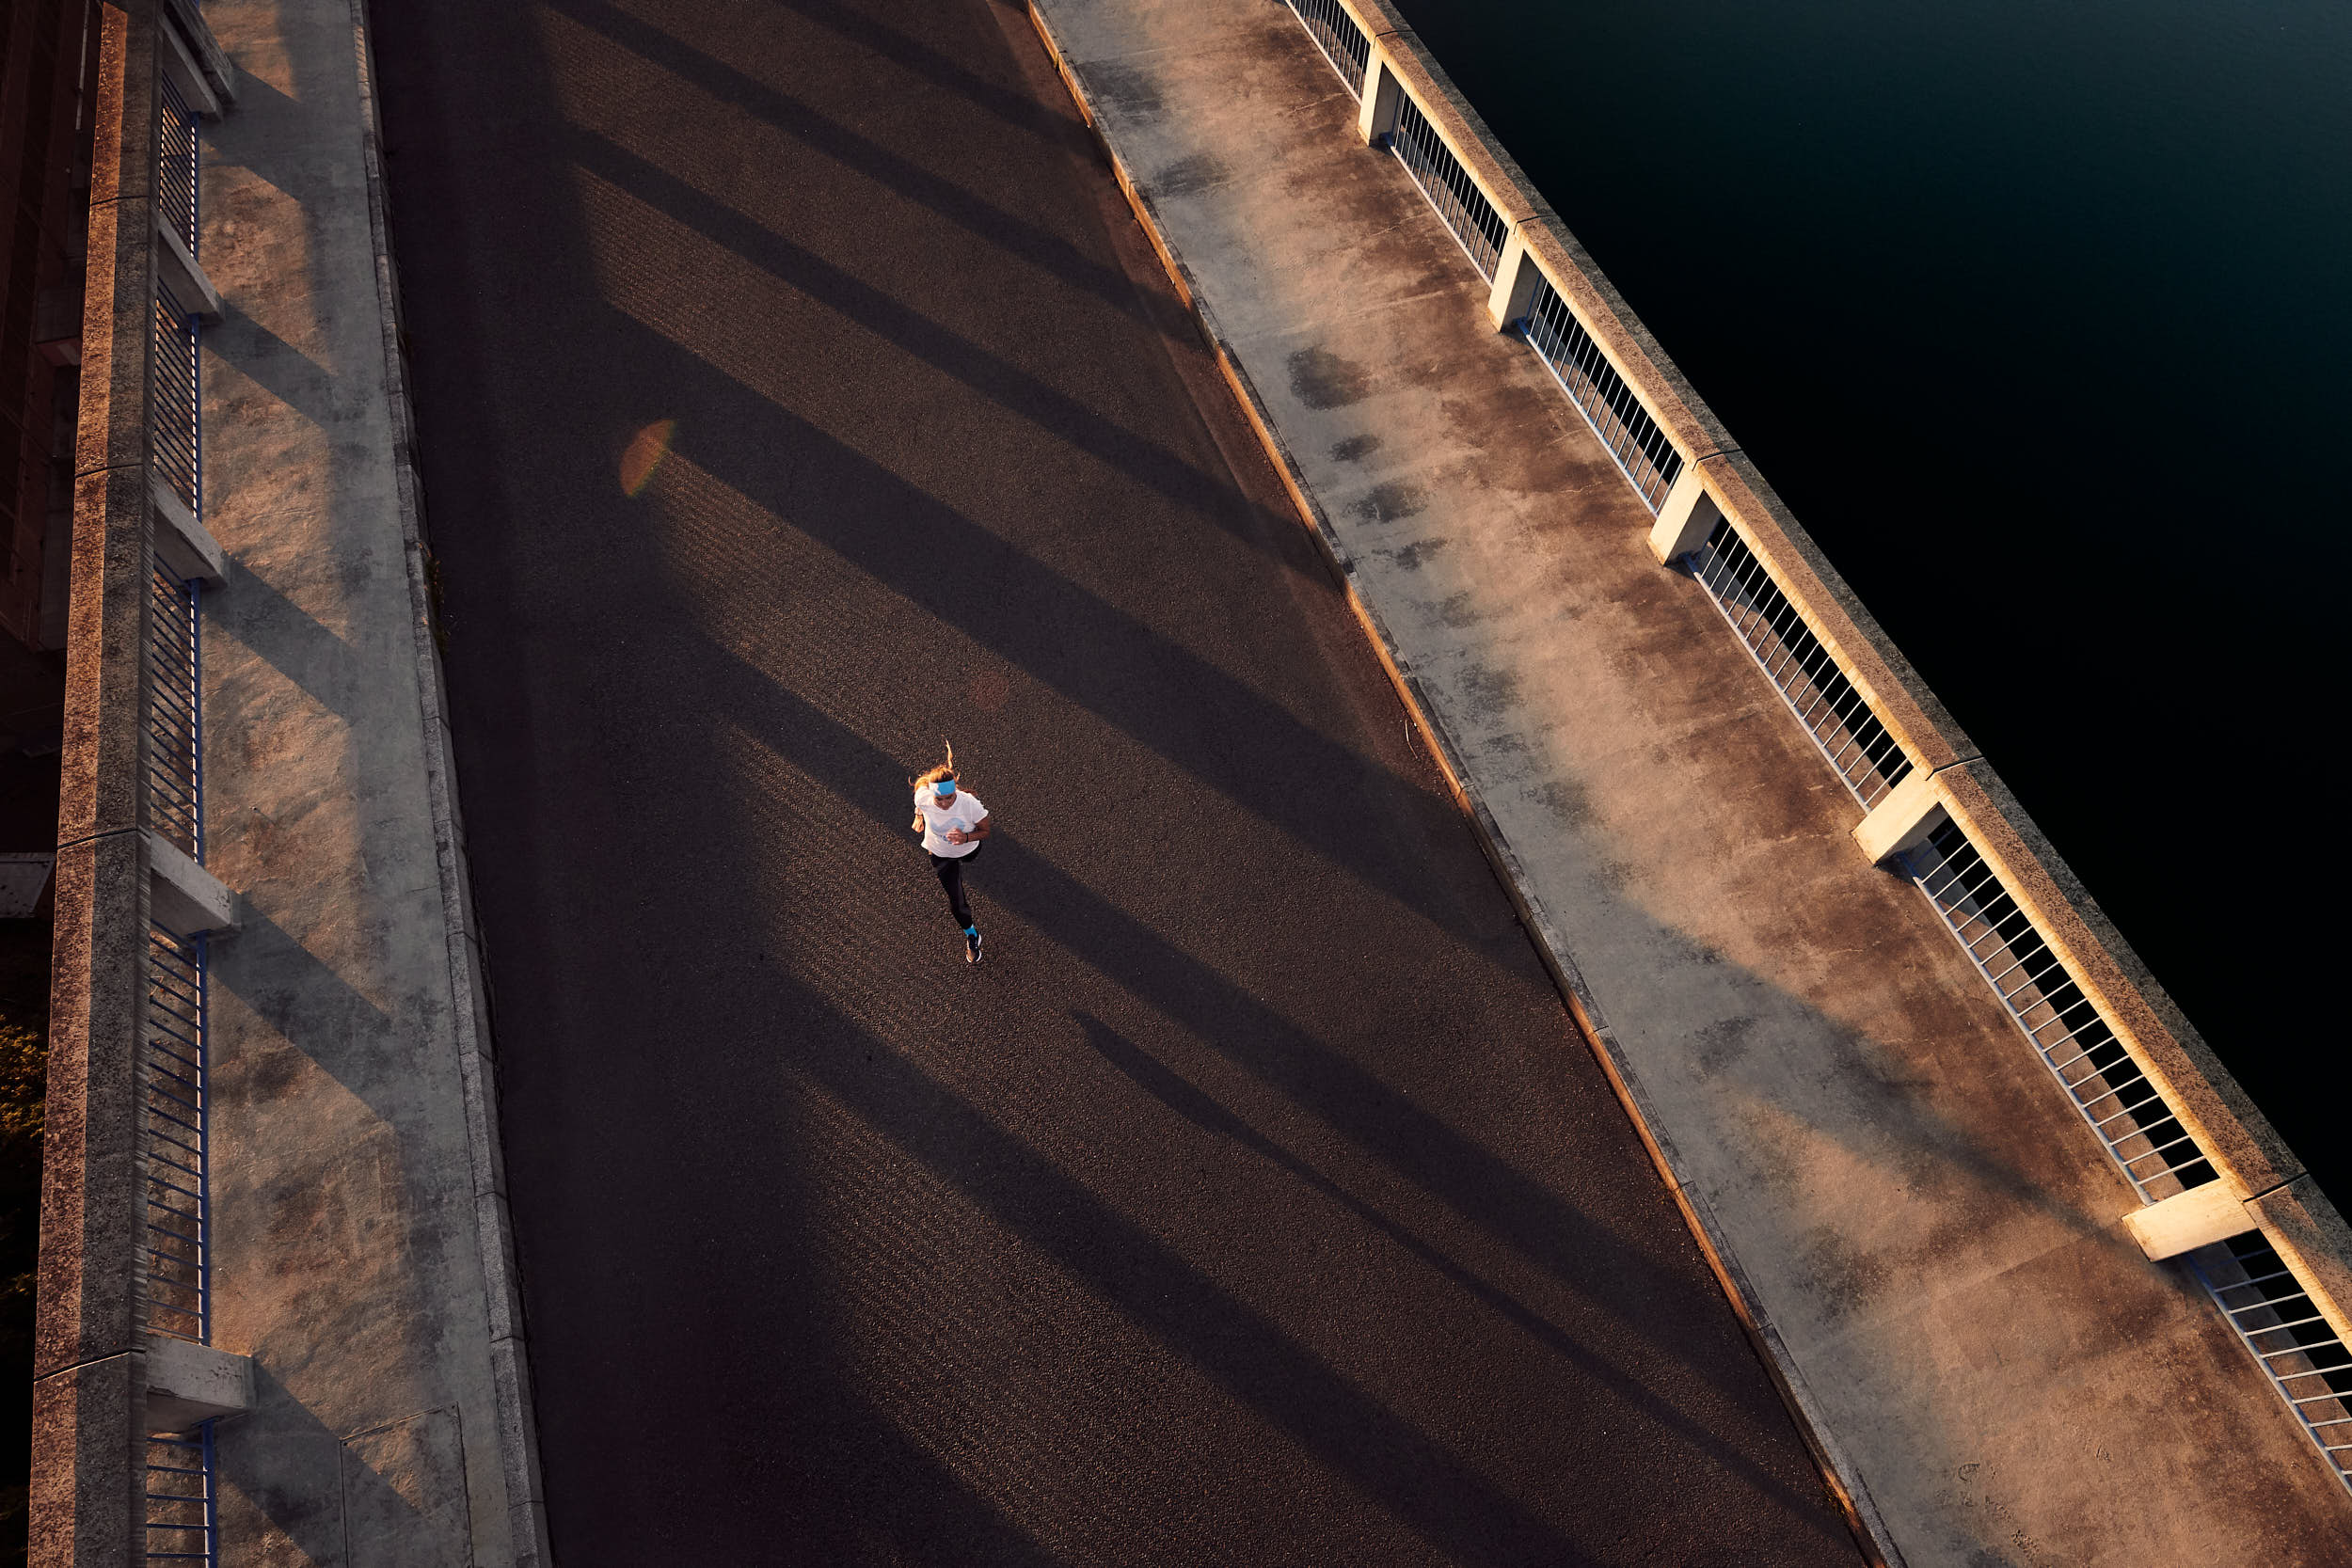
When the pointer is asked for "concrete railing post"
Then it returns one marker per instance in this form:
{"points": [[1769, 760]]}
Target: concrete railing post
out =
{"points": [[185, 546], [1516, 278], [181, 67], [2187, 1221], [1903, 817], [185, 277], [188, 1384], [1377, 110], [1685, 517]]}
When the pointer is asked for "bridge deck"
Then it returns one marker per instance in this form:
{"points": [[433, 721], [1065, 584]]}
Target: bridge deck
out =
{"points": [[1255, 1202]]}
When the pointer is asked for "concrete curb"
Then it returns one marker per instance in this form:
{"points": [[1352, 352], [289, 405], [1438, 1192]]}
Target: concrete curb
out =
{"points": [[1837, 1469], [518, 1445]]}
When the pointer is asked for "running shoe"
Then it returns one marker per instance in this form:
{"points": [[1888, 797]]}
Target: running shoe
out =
{"points": [[972, 947]]}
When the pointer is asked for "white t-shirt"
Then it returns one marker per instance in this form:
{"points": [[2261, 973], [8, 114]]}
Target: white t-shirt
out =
{"points": [[963, 810]]}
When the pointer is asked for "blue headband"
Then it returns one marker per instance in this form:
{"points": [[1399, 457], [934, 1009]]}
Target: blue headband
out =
{"points": [[943, 789]]}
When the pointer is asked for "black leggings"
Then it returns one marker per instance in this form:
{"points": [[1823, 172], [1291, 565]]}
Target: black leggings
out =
{"points": [[950, 872]]}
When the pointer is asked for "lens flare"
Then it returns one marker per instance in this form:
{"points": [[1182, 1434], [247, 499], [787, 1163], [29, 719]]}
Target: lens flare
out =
{"points": [[989, 690], [646, 450]]}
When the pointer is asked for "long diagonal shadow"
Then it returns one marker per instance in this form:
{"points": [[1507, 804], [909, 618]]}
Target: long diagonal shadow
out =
{"points": [[1008, 231], [1391, 1462], [909, 53], [1461, 1173], [1479, 1185], [1172, 1090], [1211, 496], [1050, 626]]}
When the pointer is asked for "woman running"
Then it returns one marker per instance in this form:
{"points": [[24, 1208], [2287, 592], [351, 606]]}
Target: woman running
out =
{"points": [[954, 825]]}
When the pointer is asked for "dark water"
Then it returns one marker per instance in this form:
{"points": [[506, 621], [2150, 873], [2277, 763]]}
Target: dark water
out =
{"points": [[2039, 316]]}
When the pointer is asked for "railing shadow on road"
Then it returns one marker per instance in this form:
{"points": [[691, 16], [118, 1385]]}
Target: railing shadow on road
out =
{"points": [[1182, 1096], [1057, 631], [913, 52], [1471, 1179], [1049, 626], [256, 618], [798, 121], [285, 1465], [273, 365], [791, 271], [1254, 1360], [1886, 1124], [1044, 609]]}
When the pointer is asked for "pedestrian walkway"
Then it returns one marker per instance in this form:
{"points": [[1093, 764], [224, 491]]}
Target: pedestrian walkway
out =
{"points": [[1926, 1228], [359, 1249]]}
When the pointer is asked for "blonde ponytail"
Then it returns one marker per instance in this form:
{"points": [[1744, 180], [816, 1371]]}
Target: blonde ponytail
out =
{"points": [[938, 771]]}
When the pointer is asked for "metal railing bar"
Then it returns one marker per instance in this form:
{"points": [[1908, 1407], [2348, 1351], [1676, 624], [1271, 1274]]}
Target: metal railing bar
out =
{"points": [[2257, 1279], [1343, 46], [2280, 1328]]}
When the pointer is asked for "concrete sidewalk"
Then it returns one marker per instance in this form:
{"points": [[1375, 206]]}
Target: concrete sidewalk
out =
{"points": [[1927, 1235], [360, 1253]]}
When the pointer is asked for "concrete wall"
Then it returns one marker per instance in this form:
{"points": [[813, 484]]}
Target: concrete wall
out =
{"points": [[89, 1346]]}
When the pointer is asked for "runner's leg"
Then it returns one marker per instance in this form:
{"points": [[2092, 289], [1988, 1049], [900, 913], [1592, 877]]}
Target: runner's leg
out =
{"points": [[950, 870]]}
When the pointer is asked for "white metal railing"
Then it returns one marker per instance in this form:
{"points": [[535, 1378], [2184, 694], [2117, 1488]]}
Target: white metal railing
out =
{"points": [[1463, 208], [1338, 36], [2074, 1040], [1643, 450], [2288, 1336], [1860, 748], [1645, 453]]}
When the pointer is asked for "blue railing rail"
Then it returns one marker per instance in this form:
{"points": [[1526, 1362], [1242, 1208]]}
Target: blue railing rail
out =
{"points": [[177, 1113], [175, 414], [182, 1499], [175, 164]]}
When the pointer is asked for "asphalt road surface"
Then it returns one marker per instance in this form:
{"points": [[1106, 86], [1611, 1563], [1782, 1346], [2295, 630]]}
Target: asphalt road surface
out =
{"points": [[795, 391]]}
